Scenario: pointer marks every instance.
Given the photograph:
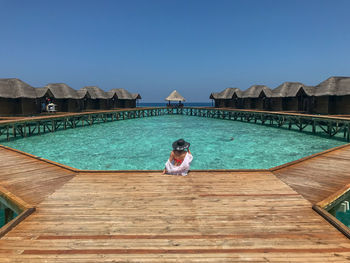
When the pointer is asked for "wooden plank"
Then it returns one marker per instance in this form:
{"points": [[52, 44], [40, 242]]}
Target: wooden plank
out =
{"points": [[206, 215], [319, 177], [29, 178]]}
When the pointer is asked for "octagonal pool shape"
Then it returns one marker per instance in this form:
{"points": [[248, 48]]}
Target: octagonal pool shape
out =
{"points": [[145, 144]]}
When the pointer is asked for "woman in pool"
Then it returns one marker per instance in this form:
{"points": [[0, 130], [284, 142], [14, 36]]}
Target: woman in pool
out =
{"points": [[180, 159]]}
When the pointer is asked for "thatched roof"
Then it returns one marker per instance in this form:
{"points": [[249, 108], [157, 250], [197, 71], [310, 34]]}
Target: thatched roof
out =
{"points": [[333, 86], [290, 89], [63, 91], [175, 96], [42, 92], [83, 93], [15, 88], [136, 96], [95, 92], [255, 91], [226, 94], [122, 94]]}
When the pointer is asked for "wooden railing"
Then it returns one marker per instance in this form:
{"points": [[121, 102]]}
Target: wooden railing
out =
{"points": [[10, 129]]}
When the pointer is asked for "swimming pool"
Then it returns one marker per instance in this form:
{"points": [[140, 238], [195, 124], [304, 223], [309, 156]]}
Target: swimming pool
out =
{"points": [[145, 144]]}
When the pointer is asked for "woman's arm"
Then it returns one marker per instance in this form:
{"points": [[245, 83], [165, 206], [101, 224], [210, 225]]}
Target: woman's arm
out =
{"points": [[171, 158], [189, 151]]}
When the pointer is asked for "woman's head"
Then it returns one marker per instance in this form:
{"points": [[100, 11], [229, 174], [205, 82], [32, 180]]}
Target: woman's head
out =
{"points": [[180, 145]]}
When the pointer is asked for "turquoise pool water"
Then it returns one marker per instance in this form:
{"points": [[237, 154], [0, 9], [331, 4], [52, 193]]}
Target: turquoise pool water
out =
{"points": [[145, 143], [341, 209], [6, 212]]}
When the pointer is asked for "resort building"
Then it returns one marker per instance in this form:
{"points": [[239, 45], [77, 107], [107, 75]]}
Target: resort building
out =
{"points": [[17, 97], [66, 98], [292, 96], [96, 98], [331, 96], [256, 97], [230, 97], [121, 98]]}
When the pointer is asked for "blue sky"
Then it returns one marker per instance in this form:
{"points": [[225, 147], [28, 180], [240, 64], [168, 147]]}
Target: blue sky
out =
{"points": [[154, 47]]}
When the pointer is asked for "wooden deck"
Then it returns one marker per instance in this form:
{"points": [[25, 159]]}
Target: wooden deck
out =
{"points": [[149, 217], [30, 179], [319, 177]]}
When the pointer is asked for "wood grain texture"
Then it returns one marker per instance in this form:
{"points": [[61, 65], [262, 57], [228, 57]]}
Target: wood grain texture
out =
{"points": [[319, 177], [149, 217], [28, 178]]}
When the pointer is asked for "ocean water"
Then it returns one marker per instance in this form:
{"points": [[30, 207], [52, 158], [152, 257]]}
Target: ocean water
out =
{"points": [[145, 143]]}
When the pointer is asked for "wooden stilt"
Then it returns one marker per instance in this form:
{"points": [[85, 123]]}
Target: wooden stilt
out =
{"points": [[313, 126]]}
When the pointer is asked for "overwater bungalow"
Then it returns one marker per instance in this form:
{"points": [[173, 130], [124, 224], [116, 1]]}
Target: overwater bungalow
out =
{"points": [[17, 98], [97, 99], [292, 96], [332, 96], [136, 96], [256, 97], [121, 98], [66, 98], [229, 97]]}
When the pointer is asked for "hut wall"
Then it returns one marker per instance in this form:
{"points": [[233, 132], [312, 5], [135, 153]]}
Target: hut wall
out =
{"points": [[259, 104], [235, 103], [29, 106], [343, 104], [231, 103], [216, 103], [120, 103], [91, 104], [113, 103], [60, 105], [9, 106], [276, 104], [253, 103], [130, 104], [73, 105], [246, 103], [239, 103], [103, 104], [220, 103], [321, 105], [290, 104], [306, 104]]}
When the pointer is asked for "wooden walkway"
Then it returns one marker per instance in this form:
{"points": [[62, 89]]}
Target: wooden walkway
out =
{"points": [[319, 177], [149, 217], [30, 179]]}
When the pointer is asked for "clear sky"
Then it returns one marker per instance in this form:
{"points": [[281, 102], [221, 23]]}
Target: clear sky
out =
{"points": [[153, 47]]}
